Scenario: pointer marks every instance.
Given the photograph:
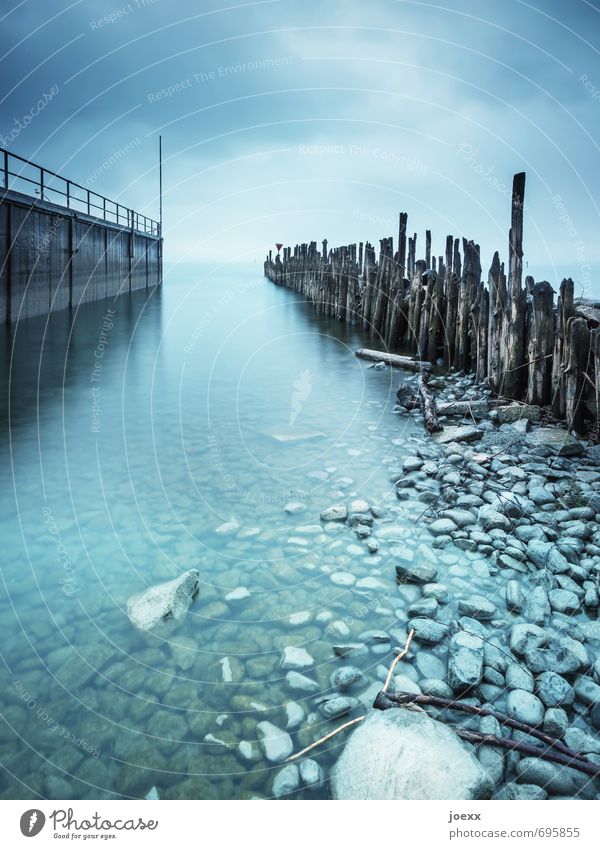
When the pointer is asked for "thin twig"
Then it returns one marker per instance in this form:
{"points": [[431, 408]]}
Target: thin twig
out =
{"points": [[397, 658], [323, 739]]}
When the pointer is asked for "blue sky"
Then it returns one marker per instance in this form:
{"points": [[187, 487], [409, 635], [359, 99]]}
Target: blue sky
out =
{"points": [[290, 121]]}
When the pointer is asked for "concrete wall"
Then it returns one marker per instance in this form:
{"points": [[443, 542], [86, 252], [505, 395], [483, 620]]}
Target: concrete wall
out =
{"points": [[52, 258]]}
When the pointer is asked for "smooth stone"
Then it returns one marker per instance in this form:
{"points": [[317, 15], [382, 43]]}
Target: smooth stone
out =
{"points": [[525, 793], [335, 513], [515, 596], [537, 606], [564, 601], [295, 657], [553, 659], [294, 715], [477, 607], [457, 434], [294, 507], [436, 687], [461, 518], [427, 630], [437, 591], [342, 579], [526, 636], [350, 649], [344, 677], [525, 707], [556, 722], [300, 683], [465, 661], [286, 781], [311, 773], [441, 526], [401, 754], [237, 594], [491, 519], [519, 678], [587, 691], [418, 573], [556, 779], [275, 744], [338, 706], [582, 742], [553, 690], [165, 602], [424, 607]]}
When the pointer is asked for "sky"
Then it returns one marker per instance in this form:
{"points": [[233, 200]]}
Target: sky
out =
{"points": [[287, 121]]}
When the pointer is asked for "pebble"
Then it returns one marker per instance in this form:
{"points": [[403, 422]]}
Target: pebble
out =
{"points": [[275, 744], [564, 601], [477, 607], [342, 579], [587, 691], [519, 678], [311, 773], [427, 631], [295, 657], [442, 526], [558, 780], [418, 573], [553, 690], [344, 677], [286, 781], [465, 661], [525, 707], [300, 683], [335, 513], [556, 722], [338, 706], [295, 716]]}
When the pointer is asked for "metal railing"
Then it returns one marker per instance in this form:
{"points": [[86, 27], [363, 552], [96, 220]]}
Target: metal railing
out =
{"points": [[33, 180]]}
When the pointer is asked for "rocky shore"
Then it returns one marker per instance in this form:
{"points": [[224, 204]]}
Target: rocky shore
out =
{"points": [[518, 630], [486, 544]]}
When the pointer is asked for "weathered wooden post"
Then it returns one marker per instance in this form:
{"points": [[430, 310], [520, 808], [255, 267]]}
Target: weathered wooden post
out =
{"points": [[513, 376], [565, 310], [578, 349], [541, 344]]}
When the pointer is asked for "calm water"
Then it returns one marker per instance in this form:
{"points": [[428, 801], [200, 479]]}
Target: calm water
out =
{"points": [[132, 437]]}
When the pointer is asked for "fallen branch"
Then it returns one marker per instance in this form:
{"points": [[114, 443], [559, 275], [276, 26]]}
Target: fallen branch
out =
{"points": [[323, 739], [396, 659], [395, 360], [556, 750]]}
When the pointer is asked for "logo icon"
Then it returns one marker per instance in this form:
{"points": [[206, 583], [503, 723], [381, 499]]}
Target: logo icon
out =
{"points": [[32, 822]]}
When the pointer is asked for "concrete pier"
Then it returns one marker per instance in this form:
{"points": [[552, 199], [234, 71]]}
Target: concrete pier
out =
{"points": [[55, 257]]}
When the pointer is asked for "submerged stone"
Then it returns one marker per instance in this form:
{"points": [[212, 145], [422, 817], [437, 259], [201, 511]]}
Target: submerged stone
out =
{"points": [[401, 754]]}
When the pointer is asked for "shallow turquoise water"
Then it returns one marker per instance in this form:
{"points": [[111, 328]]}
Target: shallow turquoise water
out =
{"points": [[130, 437]]}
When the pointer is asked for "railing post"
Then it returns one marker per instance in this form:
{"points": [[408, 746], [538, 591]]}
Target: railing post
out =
{"points": [[104, 208], [68, 194], [6, 169], [88, 201], [41, 184]]}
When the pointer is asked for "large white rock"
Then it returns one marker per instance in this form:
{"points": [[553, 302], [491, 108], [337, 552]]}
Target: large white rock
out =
{"points": [[165, 602], [404, 754]]}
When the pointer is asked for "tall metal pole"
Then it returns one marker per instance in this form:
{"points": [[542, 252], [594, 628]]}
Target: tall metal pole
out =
{"points": [[160, 201]]}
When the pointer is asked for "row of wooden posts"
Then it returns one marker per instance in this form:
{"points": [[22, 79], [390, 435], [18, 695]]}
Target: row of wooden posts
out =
{"points": [[512, 334]]}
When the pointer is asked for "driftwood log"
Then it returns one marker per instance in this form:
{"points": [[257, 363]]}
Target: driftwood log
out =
{"points": [[395, 360]]}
